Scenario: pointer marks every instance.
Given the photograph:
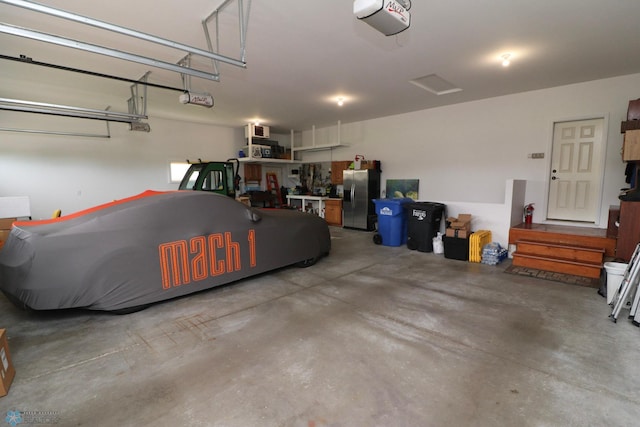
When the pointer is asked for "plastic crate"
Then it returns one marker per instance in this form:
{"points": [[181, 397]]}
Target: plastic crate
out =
{"points": [[456, 248], [476, 242]]}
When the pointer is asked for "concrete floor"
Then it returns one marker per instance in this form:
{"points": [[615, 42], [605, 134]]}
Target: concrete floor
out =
{"points": [[370, 336]]}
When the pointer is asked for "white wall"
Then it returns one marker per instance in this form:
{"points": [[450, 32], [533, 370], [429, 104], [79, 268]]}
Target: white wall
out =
{"points": [[466, 152], [74, 173], [462, 153]]}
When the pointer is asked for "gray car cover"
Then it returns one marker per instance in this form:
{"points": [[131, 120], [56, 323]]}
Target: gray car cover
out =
{"points": [[151, 247]]}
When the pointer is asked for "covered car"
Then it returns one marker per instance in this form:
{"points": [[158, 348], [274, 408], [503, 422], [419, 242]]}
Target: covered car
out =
{"points": [[130, 253]]}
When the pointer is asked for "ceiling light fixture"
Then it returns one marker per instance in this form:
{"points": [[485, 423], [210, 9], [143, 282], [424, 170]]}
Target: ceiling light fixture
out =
{"points": [[255, 120], [340, 101], [506, 59]]}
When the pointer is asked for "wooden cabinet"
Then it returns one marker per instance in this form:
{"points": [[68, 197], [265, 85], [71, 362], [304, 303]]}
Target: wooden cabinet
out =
{"points": [[333, 211], [630, 146], [252, 172], [340, 165], [629, 230], [336, 170]]}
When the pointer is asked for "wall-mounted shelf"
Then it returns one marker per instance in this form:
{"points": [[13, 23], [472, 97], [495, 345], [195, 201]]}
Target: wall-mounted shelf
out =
{"points": [[294, 149], [264, 160], [318, 147]]}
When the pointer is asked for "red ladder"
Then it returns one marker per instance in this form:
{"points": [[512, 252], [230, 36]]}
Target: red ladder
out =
{"points": [[272, 186]]}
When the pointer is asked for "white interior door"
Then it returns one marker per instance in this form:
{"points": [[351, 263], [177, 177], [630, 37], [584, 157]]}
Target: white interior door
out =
{"points": [[576, 171]]}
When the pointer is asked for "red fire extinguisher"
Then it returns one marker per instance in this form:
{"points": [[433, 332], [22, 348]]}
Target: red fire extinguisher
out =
{"points": [[528, 213]]}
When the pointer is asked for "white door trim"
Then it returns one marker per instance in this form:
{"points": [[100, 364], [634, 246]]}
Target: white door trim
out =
{"points": [[547, 180]]}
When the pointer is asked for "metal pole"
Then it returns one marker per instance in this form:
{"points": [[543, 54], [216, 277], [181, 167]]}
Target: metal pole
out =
{"points": [[90, 73], [121, 30], [50, 38]]}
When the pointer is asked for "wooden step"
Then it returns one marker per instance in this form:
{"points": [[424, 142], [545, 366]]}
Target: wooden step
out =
{"points": [[567, 252], [557, 265], [586, 237]]}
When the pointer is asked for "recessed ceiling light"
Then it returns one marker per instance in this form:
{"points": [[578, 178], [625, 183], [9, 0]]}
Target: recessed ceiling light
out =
{"points": [[506, 59], [340, 101]]}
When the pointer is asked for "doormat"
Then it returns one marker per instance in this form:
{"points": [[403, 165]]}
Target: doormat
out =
{"points": [[555, 277]]}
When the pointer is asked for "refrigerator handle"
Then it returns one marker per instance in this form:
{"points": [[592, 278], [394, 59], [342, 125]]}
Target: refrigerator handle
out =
{"points": [[353, 194]]}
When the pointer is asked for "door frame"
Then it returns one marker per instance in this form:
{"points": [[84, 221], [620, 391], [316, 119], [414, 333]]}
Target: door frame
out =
{"points": [[603, 160]]}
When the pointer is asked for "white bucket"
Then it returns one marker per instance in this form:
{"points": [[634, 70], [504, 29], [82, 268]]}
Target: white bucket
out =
{"points": [[615, 273]]}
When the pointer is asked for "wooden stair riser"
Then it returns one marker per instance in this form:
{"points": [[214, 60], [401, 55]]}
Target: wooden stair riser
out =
{"points": [[557, 265], [609, 245], [565, 252]]}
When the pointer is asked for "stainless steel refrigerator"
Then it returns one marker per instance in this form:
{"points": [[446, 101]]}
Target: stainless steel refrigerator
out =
{"points": [[360, 188]]}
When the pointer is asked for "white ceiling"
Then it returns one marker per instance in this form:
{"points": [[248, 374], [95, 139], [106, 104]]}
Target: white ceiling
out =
{"points": [[302, 54]]}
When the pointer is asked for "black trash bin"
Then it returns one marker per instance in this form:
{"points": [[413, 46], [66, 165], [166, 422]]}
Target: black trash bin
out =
{"points": [[423, 223]]}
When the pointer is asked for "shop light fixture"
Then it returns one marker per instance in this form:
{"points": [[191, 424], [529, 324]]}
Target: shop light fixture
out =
{"points": [[68, 111]]}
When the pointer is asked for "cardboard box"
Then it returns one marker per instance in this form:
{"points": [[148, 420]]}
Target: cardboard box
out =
{"points": [[462, 221], [370, 164], [459, 227], [285, 154], [461, 233], [5, 223], [7, 371]]}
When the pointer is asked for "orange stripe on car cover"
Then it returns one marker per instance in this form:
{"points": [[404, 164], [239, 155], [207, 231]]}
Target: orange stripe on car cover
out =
{"points": [[148, 193]]}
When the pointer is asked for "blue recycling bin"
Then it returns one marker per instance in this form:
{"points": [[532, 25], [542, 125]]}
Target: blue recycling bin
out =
{"points": [[392, 221]]}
